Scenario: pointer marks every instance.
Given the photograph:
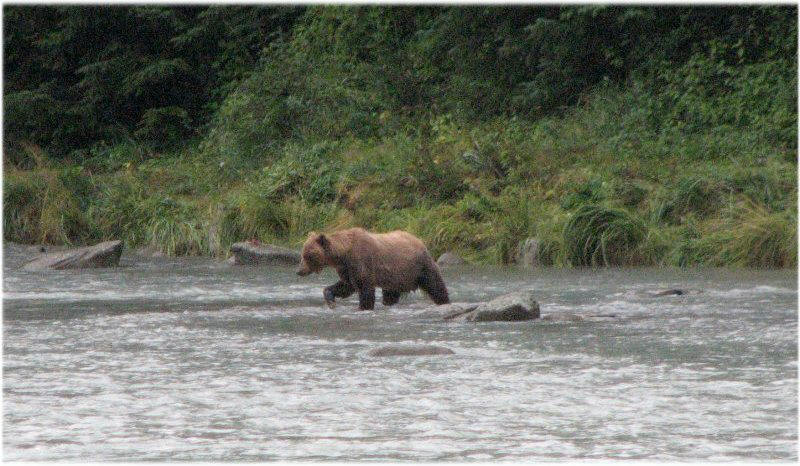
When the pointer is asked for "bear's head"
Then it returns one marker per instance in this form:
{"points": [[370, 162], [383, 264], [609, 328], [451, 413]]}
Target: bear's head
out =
{"points": [[313, 257]]}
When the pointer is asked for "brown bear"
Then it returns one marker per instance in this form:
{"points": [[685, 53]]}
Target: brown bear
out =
{"points": [[396, 262]]}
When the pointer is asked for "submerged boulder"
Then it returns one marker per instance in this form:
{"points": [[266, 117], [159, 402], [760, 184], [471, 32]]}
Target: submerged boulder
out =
{"points": [[105, 254], [249, 253], [670, 292], [515, 306], [410, 350]]}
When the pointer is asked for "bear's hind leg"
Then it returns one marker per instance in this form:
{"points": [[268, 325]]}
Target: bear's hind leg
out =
{"points": [[390, 297], [338, 290], [432, 283]]}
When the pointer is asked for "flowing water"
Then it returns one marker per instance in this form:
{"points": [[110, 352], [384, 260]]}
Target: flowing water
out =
{"points": [[192, 359]]}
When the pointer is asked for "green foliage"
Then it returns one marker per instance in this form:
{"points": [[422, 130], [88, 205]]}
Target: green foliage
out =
{"points": [[760, 238], [175, 228], [110, 158], [127, 209], [163, 127], [22, 208], [692, 194], [473, 127], [590, 192], [291, 98], [597, 235], [78, 75], [120, 209], [707, 92], [47, 206]]}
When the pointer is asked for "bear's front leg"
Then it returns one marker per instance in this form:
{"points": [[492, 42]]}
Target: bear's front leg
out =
{"points": [[339, 289], [366, 298], [390, 297]]}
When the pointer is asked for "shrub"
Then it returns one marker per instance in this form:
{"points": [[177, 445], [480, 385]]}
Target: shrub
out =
{"points": [[175, 228], [120, 209], [163, 127], [22, 206], [48, 206], [760, 238], [694, 194], [598, 235]]}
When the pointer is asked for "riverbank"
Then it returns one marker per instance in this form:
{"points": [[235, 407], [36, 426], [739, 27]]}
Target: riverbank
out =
{"points": [[591, 185], [476, 129]]}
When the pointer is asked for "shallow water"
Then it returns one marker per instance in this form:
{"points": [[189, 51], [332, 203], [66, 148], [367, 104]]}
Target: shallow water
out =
{"points": [[195, 360]]}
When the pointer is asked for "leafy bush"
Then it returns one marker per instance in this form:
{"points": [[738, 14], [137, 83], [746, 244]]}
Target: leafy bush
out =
{"points": [[707, 92], [163, 127]]}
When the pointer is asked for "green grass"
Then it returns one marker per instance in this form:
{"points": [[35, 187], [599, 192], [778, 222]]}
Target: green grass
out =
{"points": [[599, 235], [754, 237], [596, 186]]}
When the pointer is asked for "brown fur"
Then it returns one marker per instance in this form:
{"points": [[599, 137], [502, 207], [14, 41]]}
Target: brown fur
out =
{"points": [[397, 262]]}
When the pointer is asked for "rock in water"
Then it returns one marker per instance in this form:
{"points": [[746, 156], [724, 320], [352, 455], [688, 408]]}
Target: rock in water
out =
{"points": [[670, 292], [410, 350], [509, 307], [453, 310], [446, 311], [450, 258], [105, 254], [246, 253]]}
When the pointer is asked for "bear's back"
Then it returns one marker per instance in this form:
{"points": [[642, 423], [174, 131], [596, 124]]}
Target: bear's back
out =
{"points": [[399, 259], [400, 239]]}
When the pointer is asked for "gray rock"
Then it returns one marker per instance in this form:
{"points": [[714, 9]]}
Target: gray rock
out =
{"points": [[247, 253], [446, 311], [105, 254], [410, 350], [509, 307], [450, 258], [528, 253]]}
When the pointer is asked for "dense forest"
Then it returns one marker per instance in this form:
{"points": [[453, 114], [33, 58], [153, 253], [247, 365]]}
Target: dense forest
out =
{"points": [[635, 135]]}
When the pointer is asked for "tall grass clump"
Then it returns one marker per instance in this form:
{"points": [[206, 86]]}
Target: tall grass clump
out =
{"points": [[22, 206], [119, 209], [248, 215], [176, 228], [760, 238], [128, 209], [599, 235], [693, 194], [47, 206]]}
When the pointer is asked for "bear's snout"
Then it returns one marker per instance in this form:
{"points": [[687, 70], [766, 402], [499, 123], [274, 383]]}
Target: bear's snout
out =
{"points": [[303, 273]]}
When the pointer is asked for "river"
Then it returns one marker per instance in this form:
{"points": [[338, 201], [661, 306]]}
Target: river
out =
{"points": [[193, 359]]}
